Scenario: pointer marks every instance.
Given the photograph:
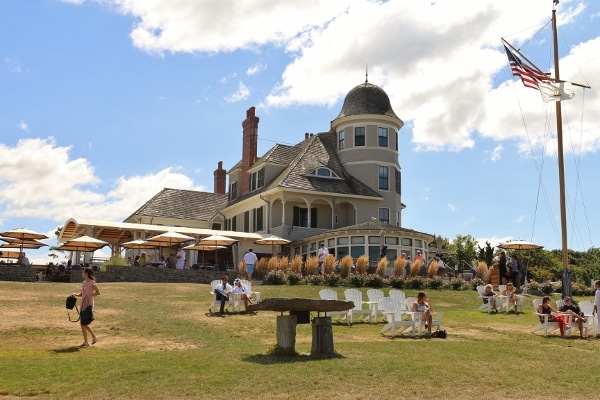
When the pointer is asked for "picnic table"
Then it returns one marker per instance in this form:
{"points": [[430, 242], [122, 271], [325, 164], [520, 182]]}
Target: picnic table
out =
{"points": [[299, 312]]}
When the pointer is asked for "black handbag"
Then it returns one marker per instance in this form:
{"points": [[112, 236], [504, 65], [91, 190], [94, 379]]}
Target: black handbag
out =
{"points": [[72, 303]]}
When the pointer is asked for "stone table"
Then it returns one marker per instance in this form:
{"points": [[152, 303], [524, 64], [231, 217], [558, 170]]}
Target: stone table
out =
{"points": [[299, 312]]}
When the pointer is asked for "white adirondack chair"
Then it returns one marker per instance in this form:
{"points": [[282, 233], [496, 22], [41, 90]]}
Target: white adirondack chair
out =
{"points": [[544, 324], [355, 296], [417, 317], [392, 307], [252, 293], [485, 305], [216, 304], [330, 294], [375, 296], [400, 295], [591, 320]]}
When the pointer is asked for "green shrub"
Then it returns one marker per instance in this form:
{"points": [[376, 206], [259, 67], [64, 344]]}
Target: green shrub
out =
{"points": [[435, 283], [274, 277], [356, 280], [397, 282], [374, 281], [415, 282], [293, 278], [476, 282], [547, 288], [457, 284], [316, 280], [332, 280]]}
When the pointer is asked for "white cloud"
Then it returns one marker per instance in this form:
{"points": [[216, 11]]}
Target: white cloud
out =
{"points": [[440, 64], [40, 180], [451, 207], [255, 69], [242, 93], [23, 126], [13, 65], [497, 153]]}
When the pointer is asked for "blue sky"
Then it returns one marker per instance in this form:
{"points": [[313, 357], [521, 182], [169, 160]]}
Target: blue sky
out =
{"points": [[104, 103]]}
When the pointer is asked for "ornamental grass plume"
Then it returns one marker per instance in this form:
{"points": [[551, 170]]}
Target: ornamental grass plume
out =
{"points": [[482, 271], [284, 263], [296, 264], [242, 267], [362, 263], [273, 264], [346, 266], [399, 266], [261, 267], [415, 268], [329, 264], [432, 270], [381, 266], [312, 265]]}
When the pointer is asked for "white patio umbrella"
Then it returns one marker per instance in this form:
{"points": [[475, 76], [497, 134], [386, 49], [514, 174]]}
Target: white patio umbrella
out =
{"points": [[29, 244], [273, 241], [216, 240], [9, 253], [519, 245], [203, 248], [83, 243], [169, 238], [22, 235]]}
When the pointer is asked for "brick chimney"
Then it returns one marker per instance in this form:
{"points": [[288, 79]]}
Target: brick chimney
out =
{"points": [[220, 179], [249, 146]]}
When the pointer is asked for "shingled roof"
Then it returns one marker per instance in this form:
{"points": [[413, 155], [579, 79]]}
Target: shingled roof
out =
{"points": [[316, 151], [367, 98], [182, 204]]}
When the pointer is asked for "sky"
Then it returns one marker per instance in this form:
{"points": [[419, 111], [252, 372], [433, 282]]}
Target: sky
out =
{"points": [[103, 103]]}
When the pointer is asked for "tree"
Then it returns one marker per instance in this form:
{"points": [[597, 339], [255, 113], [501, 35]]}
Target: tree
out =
{"points": [[462, 252], [486, 254]]}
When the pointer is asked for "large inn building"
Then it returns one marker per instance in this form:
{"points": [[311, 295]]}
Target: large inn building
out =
{"points": [[341, 187]]}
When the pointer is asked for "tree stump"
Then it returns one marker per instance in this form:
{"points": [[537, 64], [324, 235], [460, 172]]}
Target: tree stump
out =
{"points": [[322, 336], [286, 332]]}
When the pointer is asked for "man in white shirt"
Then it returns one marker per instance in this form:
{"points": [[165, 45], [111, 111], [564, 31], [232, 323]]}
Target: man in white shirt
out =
{"points": [[180, 258], [250, 260], [222, 293], [322, 254]]}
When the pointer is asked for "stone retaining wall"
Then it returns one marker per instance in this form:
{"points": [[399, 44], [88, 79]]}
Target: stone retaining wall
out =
{"points": [[17, 273], [116, 273]]}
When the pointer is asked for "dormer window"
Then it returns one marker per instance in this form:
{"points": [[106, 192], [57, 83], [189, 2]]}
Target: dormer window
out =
{"points": [[324, 172], [257, 179]]}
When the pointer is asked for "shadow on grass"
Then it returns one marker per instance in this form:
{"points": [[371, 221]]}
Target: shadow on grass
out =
{"points": [[274, 358], [66, 350]]}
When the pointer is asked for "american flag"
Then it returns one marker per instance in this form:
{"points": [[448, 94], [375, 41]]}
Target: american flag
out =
{"points": [[529, 76]]}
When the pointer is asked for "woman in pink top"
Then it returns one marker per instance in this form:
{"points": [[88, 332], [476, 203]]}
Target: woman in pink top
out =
{"points": [[89, 290]]}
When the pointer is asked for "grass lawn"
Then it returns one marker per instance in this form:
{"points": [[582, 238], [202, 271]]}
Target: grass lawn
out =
{"points": [[158, 341]]}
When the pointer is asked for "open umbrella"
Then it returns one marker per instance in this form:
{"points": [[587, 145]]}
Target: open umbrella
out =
{"points": [[9, 253], [83, 243], [519, 245], [273, 241], [203, 248], [169, 238], [33, 244], [216, 240], [23, 235], [138, 244]]}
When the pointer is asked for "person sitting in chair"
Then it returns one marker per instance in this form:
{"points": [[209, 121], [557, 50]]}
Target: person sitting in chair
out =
{"points": [[239, 287], [572, 309], [222, 293], [546, 308], [423, 306], [490, 296], [511, 295]]}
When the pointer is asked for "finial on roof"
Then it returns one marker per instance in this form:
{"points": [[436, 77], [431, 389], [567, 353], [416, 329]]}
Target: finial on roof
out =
{"points": [[366, 74]]}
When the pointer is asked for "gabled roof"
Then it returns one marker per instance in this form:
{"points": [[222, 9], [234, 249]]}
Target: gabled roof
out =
{"points": [[316, 151], [182, 204]]}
